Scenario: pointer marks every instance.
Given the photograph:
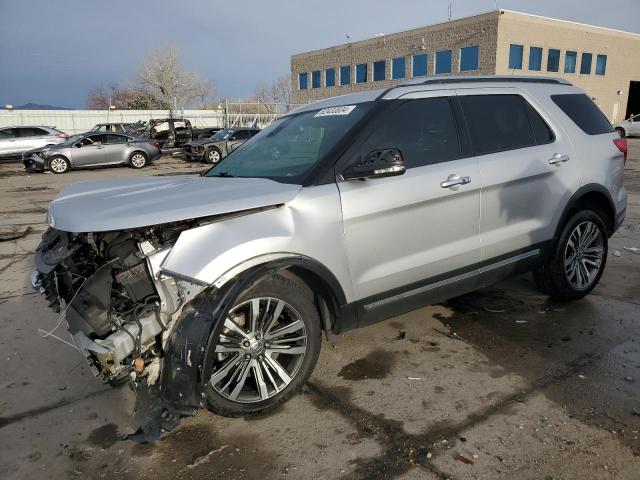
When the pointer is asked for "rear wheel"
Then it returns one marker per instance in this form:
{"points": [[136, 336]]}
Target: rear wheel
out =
{"points": [[578, 260], [212, 155], [265, 350], [59, 165], [137, 160], [621, 132]]}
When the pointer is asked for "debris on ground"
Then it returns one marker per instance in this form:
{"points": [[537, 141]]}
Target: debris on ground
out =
{"points": [[628, 379], [632, 249], [9, 236], [636, 412], [463, 459], [205, 458], [495, 310], [454, 336], [402, 334], [414, 378], [616, 253]]}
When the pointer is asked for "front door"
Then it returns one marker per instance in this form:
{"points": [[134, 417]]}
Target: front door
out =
{"points": [[88, 151], [407, 232]]}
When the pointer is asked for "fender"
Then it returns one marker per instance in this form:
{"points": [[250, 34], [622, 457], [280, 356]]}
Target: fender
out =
{"points": [[575, 199], [181, 384]]}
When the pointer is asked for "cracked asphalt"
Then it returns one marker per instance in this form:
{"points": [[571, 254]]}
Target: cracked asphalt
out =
{"points": [[500, 383]]}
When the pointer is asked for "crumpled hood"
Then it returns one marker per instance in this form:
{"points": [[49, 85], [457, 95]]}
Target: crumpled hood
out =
{"points": [[204, 141], [104, 205]]}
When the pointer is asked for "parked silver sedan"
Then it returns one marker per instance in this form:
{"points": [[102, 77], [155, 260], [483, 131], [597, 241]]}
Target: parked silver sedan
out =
{"points": [[629, 127], [91, 150]]}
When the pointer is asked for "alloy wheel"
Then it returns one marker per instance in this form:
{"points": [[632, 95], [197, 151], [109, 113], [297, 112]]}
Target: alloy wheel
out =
{"points": [[58, 165], [138, 160], [583, 255], [214, 156], [260, 350]]}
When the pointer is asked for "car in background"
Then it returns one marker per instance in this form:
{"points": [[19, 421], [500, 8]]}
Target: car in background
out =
{"points": [[15, 140], [111, 127], [629, 127], [215, 148], [92, 150]]}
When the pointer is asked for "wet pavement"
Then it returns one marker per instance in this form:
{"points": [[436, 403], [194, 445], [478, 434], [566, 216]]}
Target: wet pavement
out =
{"points": [[500, 383]]}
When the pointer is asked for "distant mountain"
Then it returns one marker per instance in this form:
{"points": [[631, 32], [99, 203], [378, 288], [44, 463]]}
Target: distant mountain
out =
{"points": [[37, 106]]}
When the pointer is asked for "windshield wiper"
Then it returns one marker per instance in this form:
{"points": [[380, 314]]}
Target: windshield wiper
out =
{"points": [[223, 174]]}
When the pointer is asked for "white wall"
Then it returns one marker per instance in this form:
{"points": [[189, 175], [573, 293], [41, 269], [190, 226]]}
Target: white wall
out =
{"points": [[78, 121]]}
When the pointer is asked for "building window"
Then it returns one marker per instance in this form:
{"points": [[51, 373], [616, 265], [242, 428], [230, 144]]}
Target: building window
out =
{"points": [[330, 77], [469, 58], [585, 64], [535, 58], [443, 62], [303, 81], [315, 79], [379, 70], [553, 60], [398, 68], [570, 62], [515, 56], [419, 65], [361, 73], [345, 75], [601, 64]]}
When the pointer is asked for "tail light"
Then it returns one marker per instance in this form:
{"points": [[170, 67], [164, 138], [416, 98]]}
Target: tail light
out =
{"points": [[621, 143], [62, 135], [155, 144]]}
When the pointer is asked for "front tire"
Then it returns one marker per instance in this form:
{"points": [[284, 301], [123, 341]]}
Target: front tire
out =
{"points": [[59, 165], [137, 160], [266, 349], [212, 156], [578, 260]]}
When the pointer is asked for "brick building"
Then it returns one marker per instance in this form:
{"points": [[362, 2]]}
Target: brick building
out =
{"points": [[603, 61]]}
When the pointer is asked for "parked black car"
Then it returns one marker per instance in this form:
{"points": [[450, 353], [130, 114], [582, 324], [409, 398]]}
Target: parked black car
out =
{"points": [[218, 146]]}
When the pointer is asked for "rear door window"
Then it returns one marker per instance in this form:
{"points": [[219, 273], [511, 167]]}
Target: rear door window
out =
{"points": [[424, 130], [31, 132], [583, 112], [497, 122], [111, 139]]}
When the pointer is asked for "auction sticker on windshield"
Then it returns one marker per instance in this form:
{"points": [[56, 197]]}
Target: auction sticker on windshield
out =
{"points": [[343, 110]]}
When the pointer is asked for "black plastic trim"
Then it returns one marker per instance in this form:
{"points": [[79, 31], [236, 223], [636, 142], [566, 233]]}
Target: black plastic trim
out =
{"points": [[577, 196], [441, 81]]}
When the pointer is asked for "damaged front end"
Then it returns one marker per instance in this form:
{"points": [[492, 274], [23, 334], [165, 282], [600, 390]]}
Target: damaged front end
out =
{"points": [[108, 286]]}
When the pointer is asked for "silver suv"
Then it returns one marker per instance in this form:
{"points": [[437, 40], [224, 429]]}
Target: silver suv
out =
{"points": [[343, 213]]}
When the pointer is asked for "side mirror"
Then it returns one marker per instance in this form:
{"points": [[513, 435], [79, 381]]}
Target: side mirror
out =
{"points": [[377, 164], [78, 145]]}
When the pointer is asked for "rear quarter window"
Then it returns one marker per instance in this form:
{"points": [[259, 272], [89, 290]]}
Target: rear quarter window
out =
{"points": [[583, 112]]}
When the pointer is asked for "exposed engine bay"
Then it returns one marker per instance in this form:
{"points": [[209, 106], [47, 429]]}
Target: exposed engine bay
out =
{"points": [[109, 288]]}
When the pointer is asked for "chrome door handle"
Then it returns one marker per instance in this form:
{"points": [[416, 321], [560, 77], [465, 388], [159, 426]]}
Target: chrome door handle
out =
{"points": [[455, 180], [100, 148], [558, 158]]}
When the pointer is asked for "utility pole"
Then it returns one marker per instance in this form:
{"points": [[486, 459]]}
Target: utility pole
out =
{"points": [[450, 9]]}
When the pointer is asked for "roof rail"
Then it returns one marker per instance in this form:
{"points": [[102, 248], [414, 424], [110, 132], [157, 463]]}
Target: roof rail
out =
{"points": [[486, 79]]}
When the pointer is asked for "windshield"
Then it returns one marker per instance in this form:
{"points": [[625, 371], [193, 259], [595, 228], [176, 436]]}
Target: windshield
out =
{"points": [[221, 135], [290, 146], [71, 140]]}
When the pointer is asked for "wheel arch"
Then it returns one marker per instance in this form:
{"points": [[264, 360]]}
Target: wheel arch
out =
{"points": [[590, 197], [182, 370]]}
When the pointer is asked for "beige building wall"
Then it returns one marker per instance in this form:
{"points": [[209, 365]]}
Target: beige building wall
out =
{"points": [[479, 30], [622, 50]]}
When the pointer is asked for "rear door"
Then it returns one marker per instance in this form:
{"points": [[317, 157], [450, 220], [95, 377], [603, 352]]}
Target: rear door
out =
{"points": [[527, 170], [182, 132], [114, 147], [237, 139], [406, 233], [88, 151]]}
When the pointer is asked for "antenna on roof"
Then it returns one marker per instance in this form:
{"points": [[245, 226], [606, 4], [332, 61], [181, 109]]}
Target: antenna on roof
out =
{"points": [[495, 2]]}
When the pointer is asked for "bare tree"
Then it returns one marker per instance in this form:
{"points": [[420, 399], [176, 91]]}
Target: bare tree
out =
{"points": [[162, 76], [276, 95], [122, 99]]}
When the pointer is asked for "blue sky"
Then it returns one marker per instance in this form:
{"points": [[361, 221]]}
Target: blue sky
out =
{"points": [[56, 51]]}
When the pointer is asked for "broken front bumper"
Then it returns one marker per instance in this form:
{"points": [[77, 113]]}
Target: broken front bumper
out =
{"points": [[33, 162]]}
